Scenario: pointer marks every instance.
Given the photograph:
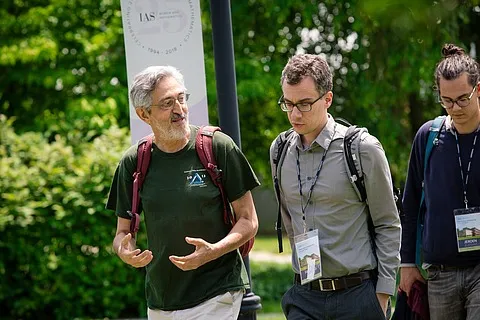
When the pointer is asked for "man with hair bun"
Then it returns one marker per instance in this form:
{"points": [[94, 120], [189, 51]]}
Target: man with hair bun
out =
{"points": [[451, 186]]}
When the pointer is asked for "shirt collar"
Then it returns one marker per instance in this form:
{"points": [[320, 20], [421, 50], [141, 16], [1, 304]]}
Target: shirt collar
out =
{"points": [[324, 137], [449, 125]]}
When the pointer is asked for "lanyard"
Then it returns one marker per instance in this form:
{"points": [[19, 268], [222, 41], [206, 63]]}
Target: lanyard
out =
{"points": [[312, 186], [465, 181]]}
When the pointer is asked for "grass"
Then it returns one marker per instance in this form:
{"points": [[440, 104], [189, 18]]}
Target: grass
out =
{"points": [[270, 244], [271, 310], [270, 316], [269, 307]]}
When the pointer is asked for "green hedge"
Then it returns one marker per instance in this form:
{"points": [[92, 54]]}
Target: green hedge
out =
{"points": [[270, 281], [55, 245]]}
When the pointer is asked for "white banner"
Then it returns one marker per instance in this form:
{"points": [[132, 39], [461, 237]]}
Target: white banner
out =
{"points": [[166, 32]]}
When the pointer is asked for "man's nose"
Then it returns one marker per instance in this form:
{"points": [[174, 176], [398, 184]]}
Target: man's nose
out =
{"points": [[178, 107], [296, 112], [456, 106]]}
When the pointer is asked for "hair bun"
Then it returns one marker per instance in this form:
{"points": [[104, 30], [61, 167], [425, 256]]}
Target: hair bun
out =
{"points": [[449, 50]]}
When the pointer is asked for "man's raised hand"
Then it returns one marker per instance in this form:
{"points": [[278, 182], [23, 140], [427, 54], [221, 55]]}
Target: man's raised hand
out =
{"points": [[134, 257]]}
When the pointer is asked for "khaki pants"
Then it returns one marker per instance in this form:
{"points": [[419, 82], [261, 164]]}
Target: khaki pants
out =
{"points": [[222, 307]]}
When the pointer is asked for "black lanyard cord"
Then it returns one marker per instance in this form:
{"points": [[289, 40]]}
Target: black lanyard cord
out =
{"points": [[465, 177], [314, 182]]}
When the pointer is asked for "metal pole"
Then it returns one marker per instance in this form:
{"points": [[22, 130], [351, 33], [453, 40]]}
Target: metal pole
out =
{"points": [[225, 68], [228, 108]]}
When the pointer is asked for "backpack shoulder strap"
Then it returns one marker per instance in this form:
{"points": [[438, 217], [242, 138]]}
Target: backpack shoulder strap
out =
{"points": [[432, 140], [353, 164], [144, 153], [204, 148], [279, 146], [278, 155], [351, 153]]}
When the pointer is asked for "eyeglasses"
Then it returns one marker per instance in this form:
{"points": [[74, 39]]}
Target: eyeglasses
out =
{"points": [[169, 103], [462, 102], [303, 106]]}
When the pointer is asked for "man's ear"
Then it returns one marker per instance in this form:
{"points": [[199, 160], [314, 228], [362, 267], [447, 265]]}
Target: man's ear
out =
{"points": [[328, 99], [143, 114]]}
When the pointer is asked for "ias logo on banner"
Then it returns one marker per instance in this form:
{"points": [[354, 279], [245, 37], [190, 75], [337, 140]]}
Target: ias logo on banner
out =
{"points": [[196, 178], [161, 27]]}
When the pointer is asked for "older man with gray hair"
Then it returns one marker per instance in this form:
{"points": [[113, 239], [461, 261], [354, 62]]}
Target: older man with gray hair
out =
{"points": [[193, 267]]}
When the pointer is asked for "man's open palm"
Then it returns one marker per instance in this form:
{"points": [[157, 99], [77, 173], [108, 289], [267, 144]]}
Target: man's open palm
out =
{"points": [[203, 253], [134, 257]]}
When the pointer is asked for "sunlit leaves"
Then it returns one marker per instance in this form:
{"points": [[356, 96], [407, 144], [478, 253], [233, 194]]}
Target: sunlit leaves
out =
{"points": [[56, 234], [61, 51]]}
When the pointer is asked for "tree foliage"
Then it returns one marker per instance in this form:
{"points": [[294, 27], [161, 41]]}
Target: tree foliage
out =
{"points": [[64, 117], [383, 55], [56, 256], [64, 72], [62, 65]]}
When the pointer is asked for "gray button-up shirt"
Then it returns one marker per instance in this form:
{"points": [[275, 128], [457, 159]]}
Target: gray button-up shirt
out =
{"points": [[335, 209]]}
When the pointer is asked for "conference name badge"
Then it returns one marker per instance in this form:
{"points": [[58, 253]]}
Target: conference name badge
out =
{"points": [[467, 225], [307, 249]]}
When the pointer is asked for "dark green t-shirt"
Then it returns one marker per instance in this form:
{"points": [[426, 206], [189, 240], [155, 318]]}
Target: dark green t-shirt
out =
{"points": [[178, 200]]}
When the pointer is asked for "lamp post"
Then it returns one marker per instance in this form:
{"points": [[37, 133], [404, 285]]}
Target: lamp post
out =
{"points": [[228, 109]]}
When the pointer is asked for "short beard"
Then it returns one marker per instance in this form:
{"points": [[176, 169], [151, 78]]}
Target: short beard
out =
{"points": [[171, 133]]}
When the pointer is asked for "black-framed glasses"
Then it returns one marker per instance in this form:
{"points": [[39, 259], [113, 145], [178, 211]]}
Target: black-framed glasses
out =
{"points": [[169, 103], [462, 102], [302, 106]]}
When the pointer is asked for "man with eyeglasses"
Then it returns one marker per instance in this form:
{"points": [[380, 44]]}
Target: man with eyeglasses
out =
{"points": [[451, 187], [193, 267], [337, 273]]}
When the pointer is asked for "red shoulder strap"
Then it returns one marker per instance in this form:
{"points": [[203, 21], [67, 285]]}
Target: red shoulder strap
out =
{"points": [[204, 148], [144, 153]]}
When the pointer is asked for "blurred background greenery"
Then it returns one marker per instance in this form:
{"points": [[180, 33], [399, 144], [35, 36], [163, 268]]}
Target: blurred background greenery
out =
{"points": [[64, 124]]}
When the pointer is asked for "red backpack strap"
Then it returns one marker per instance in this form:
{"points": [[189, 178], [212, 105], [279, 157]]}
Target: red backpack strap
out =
{"points": [[204, 148], [144, 153]]}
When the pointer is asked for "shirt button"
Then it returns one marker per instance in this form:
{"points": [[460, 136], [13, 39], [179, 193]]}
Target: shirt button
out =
{"points": [[309, 178]]}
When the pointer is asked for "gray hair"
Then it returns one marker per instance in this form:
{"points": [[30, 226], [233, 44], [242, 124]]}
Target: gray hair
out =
{"points": [[145, 83], [303, 65]]}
